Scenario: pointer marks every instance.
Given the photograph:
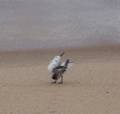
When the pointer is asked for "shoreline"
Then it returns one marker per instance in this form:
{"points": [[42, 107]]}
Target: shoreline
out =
{"points": [[78, 55], [90, 48]]}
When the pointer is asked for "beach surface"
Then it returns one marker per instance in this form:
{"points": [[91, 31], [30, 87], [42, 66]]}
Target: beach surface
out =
{"points": [[90, 87], [32, 32]]}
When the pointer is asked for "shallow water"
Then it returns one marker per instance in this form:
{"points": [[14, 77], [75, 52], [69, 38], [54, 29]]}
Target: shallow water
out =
{"points": [[29, 24]]}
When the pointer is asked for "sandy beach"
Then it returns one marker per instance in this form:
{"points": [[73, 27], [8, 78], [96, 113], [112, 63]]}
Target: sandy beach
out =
{"points": [[32, 32], [90, 87]]}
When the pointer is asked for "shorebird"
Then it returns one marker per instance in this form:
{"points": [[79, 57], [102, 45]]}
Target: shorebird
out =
{"points": [[57, 68], [59, 71]]}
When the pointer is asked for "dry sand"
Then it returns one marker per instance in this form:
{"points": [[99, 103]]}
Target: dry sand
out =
{"points": [[91, 87]]}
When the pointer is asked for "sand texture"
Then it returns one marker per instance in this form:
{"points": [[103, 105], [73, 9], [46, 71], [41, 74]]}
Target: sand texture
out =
{"points": [[92, 86]]}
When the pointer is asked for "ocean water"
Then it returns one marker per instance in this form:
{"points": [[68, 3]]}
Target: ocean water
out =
{"points": [[31, 24]]}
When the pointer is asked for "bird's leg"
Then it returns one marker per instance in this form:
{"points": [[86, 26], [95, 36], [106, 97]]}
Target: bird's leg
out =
{"points": [[54, 77], [54, 82], [61, 76]]}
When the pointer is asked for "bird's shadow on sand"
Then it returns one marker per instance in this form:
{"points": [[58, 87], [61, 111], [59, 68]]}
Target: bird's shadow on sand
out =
{"points": [[41, 84], [65, 84]]}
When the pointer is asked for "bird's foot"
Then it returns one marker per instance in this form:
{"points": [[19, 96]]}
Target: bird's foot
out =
{"points": [[60, 82], [54, 82]]}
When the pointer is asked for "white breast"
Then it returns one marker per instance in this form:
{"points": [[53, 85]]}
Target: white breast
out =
{"points": [[54, 63]]}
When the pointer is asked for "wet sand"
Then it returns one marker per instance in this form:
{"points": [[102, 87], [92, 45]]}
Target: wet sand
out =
{"points": [[90, 87]]}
